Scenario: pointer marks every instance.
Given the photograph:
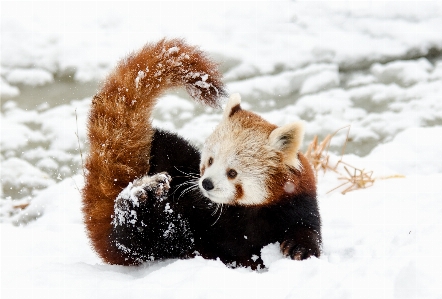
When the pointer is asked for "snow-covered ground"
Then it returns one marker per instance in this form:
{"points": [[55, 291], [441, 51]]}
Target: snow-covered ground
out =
{"points": [[376, 66]]}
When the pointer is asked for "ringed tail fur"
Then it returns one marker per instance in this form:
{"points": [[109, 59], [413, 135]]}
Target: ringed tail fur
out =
{"points": [[119, 125]]}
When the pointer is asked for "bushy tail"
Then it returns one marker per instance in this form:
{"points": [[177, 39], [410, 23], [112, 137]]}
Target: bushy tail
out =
{"points": [[119, 128]]}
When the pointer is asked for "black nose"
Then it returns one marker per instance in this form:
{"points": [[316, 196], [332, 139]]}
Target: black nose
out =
{"points": [[207, 184]]}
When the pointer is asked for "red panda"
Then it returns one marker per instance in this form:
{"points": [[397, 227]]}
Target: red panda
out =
{"points": [[150, 194]]}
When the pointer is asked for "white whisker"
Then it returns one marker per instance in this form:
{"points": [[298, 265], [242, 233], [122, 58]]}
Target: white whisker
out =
{"points": [[187, 190], [190, 175], [220, 212]]}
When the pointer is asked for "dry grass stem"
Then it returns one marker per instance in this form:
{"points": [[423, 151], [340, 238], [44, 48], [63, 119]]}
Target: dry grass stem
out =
{"points": [[21, 206], [358, 179], [353, 178], [79, 145], [318, 155]]}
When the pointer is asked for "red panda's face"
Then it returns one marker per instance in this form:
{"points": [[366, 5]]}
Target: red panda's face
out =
{"points": [[231, 171], [245, 157]]}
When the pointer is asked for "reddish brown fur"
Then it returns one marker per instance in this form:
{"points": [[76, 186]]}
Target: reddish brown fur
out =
{"points": [[303, 180], [239, 192], [119, 130], [250, 120]]}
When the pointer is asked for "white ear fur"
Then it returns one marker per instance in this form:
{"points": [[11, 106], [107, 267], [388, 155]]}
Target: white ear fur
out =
{"points": [[234, 101], [288, 140]]}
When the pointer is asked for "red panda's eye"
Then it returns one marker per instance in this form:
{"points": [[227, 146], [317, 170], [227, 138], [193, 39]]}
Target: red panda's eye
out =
{"points": [[210, 161], [231, 174]]}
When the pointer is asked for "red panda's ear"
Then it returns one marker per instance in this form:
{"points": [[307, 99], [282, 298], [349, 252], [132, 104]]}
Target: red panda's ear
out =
{"points": [[233, 105], [288, 140]]}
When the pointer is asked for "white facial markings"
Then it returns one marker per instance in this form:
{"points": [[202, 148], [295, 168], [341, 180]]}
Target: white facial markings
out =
{"points": [[231, 170], [223, 191]]}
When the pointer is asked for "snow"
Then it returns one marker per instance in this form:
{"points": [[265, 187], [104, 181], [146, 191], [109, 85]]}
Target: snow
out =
{"points": [[22, 176], [373, 66], [406, 73], [413, 151], [8, 90], [32, 77], [323, 80], [140, 76]]}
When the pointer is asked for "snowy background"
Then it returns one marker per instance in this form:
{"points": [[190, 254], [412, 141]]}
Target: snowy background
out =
{"points": [[375, 66]]}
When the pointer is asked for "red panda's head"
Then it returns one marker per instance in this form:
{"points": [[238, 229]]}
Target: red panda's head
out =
{"points": [[249, 161]]}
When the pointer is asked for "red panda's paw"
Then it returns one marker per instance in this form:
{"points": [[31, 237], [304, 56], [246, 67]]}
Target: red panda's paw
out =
{"points": [[297, 251], [158, 185]]}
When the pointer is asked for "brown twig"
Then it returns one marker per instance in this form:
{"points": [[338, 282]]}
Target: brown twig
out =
{"points": [[318, 155], [81, 153], [359, 179], [354, 178], [21, 206], [79, 146]]}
